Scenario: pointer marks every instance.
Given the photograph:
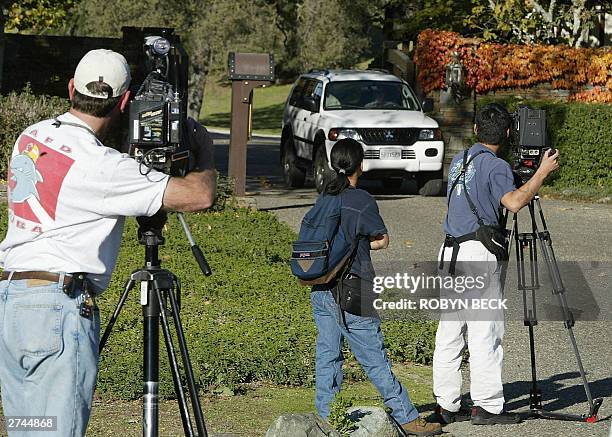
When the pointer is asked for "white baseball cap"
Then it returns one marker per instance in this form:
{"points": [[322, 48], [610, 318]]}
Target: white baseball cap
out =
{"points": [[102, 65]]}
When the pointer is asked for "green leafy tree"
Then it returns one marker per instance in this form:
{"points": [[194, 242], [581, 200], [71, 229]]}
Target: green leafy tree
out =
{"points": [[336, 33], [286, 21], [415, 16], [534, 21], [34, 15]]}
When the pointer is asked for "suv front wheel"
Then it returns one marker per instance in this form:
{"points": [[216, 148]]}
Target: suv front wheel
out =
{"points": [[430, 183], [293, 175], [322, 172]]}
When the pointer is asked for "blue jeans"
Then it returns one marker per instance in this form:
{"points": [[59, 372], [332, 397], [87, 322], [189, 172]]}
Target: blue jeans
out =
{"points": [[366, 342], [48, 355]]}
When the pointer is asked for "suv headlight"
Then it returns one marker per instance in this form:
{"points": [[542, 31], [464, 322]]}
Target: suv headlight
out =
{"points": [[431, 134], [340, 133]]}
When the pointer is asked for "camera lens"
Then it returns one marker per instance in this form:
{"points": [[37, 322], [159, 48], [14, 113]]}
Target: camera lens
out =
{"points": [[161, 46]]}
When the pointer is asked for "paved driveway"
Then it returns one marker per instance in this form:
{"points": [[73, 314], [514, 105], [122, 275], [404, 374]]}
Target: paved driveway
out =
{"points": [[580, 232]]}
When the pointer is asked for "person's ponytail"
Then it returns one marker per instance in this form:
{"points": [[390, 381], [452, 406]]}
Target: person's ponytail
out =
{"points": [[346, 156]]}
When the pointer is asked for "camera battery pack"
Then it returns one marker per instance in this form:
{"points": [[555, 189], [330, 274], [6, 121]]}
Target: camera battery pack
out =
{"points": [[148, 122]]}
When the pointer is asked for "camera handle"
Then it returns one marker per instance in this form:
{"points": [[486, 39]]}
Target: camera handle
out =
{"points": [[195, 249]]}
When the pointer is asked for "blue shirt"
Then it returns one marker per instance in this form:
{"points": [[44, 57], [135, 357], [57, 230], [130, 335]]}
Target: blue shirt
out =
{"points": [[360, 216], [488, 178]]}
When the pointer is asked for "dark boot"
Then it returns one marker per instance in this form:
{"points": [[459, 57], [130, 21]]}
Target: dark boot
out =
{"points": [[480, 416], [444, 417]]}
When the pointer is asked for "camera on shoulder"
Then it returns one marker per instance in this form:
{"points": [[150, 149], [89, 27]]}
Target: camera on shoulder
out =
{"points": [[158, 111]]}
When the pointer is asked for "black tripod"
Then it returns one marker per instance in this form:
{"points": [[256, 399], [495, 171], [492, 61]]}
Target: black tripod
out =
{"points": [[158, 287], [528, 287]]}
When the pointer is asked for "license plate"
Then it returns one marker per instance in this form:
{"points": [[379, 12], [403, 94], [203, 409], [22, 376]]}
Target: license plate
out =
{"points": [[387, 153]]}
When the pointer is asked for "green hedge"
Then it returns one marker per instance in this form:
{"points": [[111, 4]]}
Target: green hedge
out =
{"points": [[18, 111], [247, 322], [583, 134], [250, 321]]}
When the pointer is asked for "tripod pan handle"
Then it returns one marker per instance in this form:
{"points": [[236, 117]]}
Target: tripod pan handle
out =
{"points": [[199, 256]]}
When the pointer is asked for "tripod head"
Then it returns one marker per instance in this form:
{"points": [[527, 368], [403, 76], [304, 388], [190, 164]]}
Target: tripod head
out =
{"points": [[150, 234], [150, 229]]}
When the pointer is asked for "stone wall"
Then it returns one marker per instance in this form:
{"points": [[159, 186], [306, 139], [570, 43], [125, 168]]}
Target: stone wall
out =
{"points": [[540, 92], [456, 121]]}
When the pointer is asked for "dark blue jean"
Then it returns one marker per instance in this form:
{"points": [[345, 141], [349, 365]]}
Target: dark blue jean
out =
{"points": [[366, 342]]}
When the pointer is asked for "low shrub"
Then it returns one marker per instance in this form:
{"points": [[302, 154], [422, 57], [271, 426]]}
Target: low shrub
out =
{"points": [[250, 321], [18, 111], [339, 417]]}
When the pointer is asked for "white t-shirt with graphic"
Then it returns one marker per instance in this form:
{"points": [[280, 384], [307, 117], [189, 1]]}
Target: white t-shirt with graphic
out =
{"points": [[68, 196]]}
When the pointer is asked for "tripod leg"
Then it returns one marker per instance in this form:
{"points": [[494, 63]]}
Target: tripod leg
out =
{"points": [[559, 291], [109, 327], [528, 290], [150, 419], [178, 387], [193, 392]]}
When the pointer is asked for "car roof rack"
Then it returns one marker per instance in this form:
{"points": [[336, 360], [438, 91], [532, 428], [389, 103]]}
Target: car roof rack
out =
{"points": [[317, 70]]}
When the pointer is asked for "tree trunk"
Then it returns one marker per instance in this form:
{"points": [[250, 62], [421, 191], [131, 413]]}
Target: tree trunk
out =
{"points": [[577, 25], [2, 38], [198, 72]]}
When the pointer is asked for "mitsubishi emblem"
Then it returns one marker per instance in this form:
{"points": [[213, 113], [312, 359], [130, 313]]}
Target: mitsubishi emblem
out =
{"points": [[388, 135]]}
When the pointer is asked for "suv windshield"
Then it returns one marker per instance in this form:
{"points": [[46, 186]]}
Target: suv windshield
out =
{"points": [[369, 94]]}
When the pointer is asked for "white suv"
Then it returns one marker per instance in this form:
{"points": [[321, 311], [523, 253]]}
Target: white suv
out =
{"points": [[373, 107]]}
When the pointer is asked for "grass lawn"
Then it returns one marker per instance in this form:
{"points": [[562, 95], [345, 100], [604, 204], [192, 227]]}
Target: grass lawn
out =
{"points": [[268, 104], [250, 414]]}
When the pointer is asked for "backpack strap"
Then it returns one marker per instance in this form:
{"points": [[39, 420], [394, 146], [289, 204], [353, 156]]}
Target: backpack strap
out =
{"points": [[465, 189], [338, 290]]}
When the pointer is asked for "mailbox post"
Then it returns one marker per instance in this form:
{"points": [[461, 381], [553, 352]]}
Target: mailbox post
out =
{"points": [[247, 71]]}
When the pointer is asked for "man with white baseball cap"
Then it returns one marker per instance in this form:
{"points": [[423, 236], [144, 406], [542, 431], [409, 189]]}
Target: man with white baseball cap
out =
{"points": [[68, 196], [103, 66]]}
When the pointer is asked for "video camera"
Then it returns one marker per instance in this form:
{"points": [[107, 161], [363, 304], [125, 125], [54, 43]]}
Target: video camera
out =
{"points": [[529, 139], [158, 112]]}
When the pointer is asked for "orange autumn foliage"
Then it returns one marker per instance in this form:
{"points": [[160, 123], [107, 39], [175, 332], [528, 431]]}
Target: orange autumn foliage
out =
{"points": [[489, 67]]}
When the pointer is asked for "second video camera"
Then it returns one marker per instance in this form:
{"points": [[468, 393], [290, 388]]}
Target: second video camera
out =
{"points": [[529, 139]]}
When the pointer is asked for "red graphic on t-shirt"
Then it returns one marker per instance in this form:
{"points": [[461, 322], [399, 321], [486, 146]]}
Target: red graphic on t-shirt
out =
{"points": [[36, 174]]}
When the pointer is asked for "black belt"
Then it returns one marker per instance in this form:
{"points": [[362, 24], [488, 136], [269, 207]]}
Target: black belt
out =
{"points": [[454, 242]]}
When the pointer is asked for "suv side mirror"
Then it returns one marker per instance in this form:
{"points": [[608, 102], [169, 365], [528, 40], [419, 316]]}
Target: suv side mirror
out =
{"points": [[428, 105], [311, 104]]}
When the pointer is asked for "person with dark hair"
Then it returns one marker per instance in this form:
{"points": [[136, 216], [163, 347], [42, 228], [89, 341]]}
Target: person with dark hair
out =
{"points": [[360, 220], [479, 185], [68, 196]]}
